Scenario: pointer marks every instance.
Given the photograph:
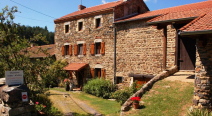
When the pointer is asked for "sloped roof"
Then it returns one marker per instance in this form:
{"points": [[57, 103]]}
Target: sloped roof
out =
{"points": [[178, 12], [202, 23], [35, 52], [75, 66], [90, 10]]}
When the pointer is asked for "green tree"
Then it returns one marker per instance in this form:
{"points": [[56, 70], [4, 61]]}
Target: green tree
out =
{"points": [[14, 54]]}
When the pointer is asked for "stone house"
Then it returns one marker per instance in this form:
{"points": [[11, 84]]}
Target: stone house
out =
{"points": [[126, 35]]}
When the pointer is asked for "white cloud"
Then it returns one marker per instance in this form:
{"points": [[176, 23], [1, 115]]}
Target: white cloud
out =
{"points": [[104, 2]]}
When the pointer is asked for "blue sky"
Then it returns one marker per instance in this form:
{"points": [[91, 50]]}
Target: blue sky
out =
{"points": [[59, 8]]}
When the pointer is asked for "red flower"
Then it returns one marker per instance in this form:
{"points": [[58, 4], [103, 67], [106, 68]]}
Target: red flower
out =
{"points": [[44, 106], [135, 99], [37, 103]]}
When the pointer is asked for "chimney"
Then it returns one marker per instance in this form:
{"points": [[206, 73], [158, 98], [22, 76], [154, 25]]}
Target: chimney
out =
{"points": [[81, 7]]}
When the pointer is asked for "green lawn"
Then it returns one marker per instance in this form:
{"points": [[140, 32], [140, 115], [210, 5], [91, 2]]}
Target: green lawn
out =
{"points": [[166, 98], [104, 106]]}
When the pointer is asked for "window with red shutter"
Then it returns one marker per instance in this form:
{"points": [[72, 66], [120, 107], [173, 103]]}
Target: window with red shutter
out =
{"points": [[84, 49], [103, 48], [103, 73], [92, 73], [75, 50], [92, 48], [70, 50], [63, 48]]}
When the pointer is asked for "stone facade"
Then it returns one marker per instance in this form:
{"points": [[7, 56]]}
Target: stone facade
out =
{"points": [[202, 91], [140, 49], [88, 35]]}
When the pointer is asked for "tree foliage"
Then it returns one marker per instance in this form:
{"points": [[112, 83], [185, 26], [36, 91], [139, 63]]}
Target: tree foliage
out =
{"points": [[14, 55]]}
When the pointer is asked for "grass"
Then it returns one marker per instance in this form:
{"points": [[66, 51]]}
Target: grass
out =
{"points": [[103, 106], [166, 98]]}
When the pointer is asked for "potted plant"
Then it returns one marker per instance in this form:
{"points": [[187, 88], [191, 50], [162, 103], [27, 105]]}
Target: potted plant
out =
{"points": [[67, 82], [135, 101], [40, 108]]}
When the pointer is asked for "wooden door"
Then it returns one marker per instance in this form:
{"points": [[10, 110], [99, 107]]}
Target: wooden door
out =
{"points": [[187, 53]]}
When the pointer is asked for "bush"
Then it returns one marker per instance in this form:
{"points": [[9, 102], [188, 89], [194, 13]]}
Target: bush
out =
{"points": [[122, 95], [99, 88]]}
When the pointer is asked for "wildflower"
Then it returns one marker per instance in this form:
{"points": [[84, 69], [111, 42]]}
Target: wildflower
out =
{"points": [[37, 103]]}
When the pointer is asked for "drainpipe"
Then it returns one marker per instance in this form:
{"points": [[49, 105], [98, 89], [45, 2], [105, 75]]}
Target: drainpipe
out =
{"points": [[114, 78]]}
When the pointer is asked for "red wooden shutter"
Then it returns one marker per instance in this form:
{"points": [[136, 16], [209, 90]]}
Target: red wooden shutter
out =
{"points": [[63, 48], [84, 49], [103, 73], [75, 49], [92, 73], [103, 48], [70, 50], [92, 48]]}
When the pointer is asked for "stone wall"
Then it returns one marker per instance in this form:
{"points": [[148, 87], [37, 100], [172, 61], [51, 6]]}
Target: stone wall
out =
{"points": [[140, 49], [89, 34], [202, 91]]}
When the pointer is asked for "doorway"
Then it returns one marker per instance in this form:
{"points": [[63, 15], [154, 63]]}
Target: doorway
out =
{"points": [[187, 53]]}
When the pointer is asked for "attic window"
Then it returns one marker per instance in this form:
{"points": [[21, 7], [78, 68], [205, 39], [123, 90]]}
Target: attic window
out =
{"points": [[66, 28], [98, 22], [80, 26]]}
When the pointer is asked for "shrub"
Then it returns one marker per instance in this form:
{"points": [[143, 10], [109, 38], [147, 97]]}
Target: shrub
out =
{"points": [[122, 95], [99, 88]]}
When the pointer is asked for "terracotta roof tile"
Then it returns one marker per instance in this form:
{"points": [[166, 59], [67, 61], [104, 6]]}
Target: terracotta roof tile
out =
{"points": [[183, 11], [75, 66], [35, 53], [202, 23], [92, 9]]}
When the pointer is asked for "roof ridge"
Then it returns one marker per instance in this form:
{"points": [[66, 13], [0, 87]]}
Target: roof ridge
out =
{"points": [[102, 4], [192, 22]]}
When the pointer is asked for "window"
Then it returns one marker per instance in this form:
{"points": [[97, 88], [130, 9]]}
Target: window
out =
{"points": [[80, 49], [138, 9], [98, 22], [118, 80], [66, 28], [80, 26], [98, 48], [98, 73], [66, 50]]}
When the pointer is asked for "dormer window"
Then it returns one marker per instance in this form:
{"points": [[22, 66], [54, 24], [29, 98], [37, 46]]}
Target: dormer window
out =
{"points": [[98, 22], [66, 28], [80, 26]]}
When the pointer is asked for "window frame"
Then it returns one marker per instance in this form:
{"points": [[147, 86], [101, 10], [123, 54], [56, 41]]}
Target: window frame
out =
{"points": [[66, 27], [98, 71], [80, 26], [79, 51], [98, 21]]}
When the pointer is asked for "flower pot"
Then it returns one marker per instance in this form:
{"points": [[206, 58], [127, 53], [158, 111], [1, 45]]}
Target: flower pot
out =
{"points": [[67, 87], [135, 105]]}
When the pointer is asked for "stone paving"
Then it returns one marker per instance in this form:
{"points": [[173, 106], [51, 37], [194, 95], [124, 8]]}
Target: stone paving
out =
{"points": [[184, 76]]}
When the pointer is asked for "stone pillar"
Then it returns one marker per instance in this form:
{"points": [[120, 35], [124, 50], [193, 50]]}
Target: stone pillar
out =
{"points": [[203, 75]]}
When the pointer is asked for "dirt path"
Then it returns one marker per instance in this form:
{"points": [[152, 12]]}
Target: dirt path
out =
{"points": [[69, 105]]}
